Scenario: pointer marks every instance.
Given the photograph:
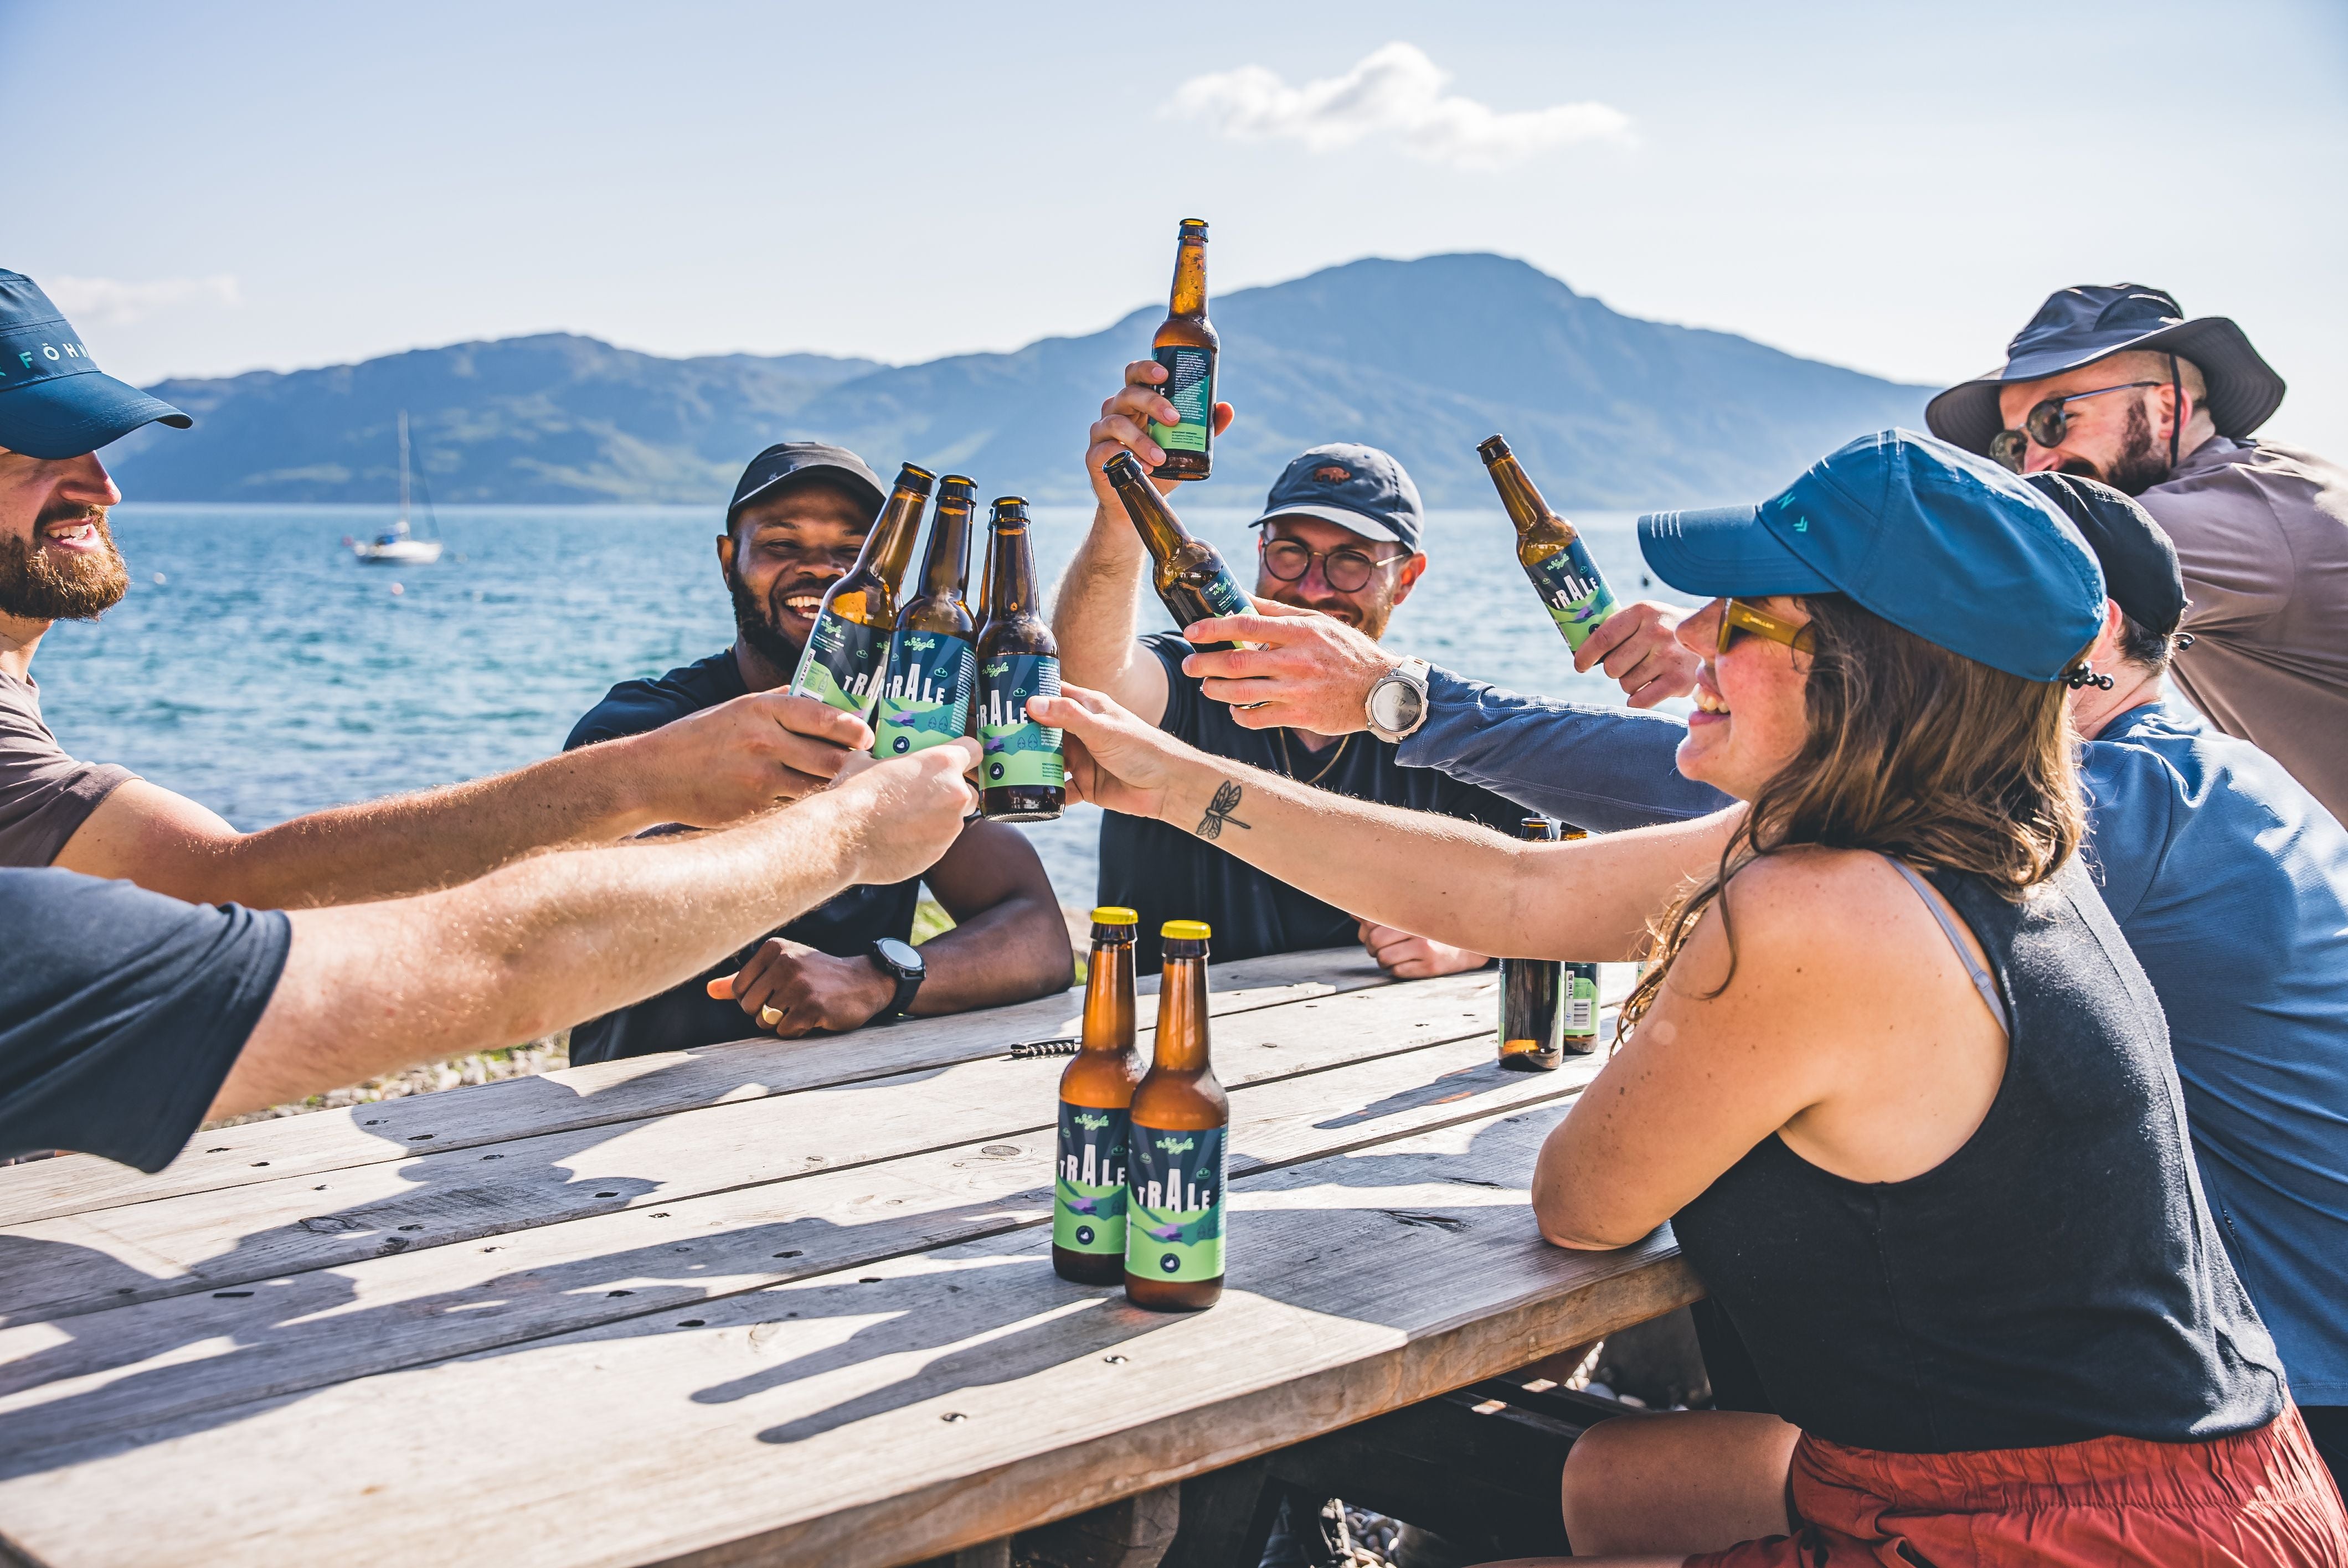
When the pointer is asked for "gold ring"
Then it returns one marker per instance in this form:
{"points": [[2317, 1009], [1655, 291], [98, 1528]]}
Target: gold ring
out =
{"points": [[770, 1016]]}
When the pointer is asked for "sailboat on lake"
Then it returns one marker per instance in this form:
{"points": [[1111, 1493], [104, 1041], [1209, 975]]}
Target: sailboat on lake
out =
{"points": [[396, 545]]}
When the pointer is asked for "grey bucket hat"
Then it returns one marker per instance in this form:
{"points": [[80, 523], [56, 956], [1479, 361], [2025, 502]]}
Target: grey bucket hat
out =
{"points": [[2080, 325]]}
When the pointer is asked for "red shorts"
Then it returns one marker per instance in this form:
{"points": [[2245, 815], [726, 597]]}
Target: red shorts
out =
{"points": [[2255, 1499]]}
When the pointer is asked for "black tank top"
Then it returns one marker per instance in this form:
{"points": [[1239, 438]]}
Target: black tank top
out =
{"points": [[2055, 1279]]}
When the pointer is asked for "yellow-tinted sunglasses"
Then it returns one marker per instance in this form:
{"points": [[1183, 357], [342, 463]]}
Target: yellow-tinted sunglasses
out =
{"points": [[1736, 615]]}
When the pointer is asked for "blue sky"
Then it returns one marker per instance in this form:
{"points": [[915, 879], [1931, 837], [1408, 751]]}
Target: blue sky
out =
{"points": [[1888, 186]]}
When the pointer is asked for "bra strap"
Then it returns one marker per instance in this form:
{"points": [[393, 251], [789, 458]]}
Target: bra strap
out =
{"points": [[1983, 981]]}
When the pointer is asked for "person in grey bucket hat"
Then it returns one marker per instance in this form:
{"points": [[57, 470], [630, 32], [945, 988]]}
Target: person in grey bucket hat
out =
{"points": [[2116, 383]]}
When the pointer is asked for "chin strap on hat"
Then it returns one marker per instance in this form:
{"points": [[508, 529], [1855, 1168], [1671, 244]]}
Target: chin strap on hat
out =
{"points": [[2084, 675]]}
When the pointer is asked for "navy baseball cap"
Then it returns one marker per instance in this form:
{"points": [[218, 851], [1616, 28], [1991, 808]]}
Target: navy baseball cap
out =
{"points": [[54, 400], [2139, 559], [790, 459], [1352, 486], [1939, 542]]}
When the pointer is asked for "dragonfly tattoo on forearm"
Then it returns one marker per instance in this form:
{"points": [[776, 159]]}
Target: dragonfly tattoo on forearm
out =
{"points": [[1219, 811]]}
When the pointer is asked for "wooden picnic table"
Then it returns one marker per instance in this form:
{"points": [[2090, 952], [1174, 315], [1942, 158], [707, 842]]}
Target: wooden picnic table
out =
{"points": [[766, 1302]]}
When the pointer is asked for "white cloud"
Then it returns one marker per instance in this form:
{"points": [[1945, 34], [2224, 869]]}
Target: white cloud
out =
{"points": [[111, 301], [1396, 90]]}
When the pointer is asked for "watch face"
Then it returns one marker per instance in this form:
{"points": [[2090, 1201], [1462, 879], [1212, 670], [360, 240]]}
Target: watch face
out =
{"points": [[1393, 703], [900, 955]]}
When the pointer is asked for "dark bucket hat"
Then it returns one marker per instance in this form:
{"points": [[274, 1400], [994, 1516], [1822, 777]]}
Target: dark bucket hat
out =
{"points": [[2081, 325], [54, 400]]}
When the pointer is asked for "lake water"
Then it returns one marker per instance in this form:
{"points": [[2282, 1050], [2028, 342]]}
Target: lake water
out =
{"points": [[259, 669]]}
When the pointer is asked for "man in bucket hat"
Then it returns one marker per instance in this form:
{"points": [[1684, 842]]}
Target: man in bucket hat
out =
{"points": [[58, 562], [2116, 383]]}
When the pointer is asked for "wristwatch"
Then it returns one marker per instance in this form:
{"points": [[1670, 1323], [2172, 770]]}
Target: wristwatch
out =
{"points": [[1396, 705], [902, 962]]}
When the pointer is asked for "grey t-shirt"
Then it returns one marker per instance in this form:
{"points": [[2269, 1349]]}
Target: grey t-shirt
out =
{"points": [[45, 794], [2262, 533]]}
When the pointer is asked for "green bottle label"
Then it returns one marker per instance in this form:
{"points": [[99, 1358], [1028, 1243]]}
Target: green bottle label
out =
{"points": [[1088, 1193], [1226, 595], [925, 701], [1019, 751], [1191, 388], [1176, 1229], [841, 665], [1581, 1003], [1577, 596]]}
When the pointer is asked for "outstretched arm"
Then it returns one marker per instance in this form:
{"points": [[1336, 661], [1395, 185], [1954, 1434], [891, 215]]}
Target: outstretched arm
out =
{"points": [[561, 938], [1453, 881], [714, 768], [1093, 612]]}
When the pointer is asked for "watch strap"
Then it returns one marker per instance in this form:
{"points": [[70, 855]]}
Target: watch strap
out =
{"points": [[909, 982]]}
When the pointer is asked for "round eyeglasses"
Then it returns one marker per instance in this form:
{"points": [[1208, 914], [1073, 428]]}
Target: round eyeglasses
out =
{"points": [[1349, 571]]}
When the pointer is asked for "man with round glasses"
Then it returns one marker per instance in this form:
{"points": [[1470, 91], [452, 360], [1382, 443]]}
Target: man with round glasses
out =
{"points": [[1339, 537], [2115, 384]]}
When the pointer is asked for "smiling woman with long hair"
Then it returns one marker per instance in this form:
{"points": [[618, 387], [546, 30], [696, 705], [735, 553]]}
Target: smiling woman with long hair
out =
{"points": [[1894, 1076]]}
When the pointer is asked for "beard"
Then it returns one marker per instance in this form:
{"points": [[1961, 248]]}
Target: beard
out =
{"points": [[759, 625], [2138, 468], [38, 584]]}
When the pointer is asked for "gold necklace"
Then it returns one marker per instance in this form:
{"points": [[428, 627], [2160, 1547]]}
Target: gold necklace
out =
{"points": [[1288, 766]]}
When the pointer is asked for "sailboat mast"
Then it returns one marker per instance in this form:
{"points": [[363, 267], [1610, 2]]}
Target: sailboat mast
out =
{"points": [[403, 469]]}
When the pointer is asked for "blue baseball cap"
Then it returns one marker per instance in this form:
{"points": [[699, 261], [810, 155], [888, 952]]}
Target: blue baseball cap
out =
{"points": [[1934, 539], [54, 400], [1352, 486]]}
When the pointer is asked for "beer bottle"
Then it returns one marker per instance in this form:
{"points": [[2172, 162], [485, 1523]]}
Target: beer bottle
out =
{"points": [[1531, 1010], [1088, 1188], [1186, 344], [1578, 994], [1187, 572], [925, 697], [848, 648], [1020, 771], [1174, 1223], [1549, 551]]}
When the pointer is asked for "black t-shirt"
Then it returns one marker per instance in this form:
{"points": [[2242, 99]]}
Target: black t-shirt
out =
{"points": [[121, 1011], [846, 926], [1168, 874]]}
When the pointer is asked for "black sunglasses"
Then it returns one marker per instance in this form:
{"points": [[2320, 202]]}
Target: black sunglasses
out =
{"points": [[2047, 422]]}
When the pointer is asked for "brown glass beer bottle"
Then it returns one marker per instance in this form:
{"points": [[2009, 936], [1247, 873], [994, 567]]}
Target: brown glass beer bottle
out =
{"points": [[1187, 572], [1020, 769], [1181, 1118], [1186, 344], [925, 694], [1531, 1008], [847, 650], [1088, 1185], [1570, 587]]}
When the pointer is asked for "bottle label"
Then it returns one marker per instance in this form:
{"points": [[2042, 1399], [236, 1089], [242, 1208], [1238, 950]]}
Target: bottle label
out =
{"points": [[1190, 387], [1580, 1001], [841, 665], [1019, 751], [925, 701], [1175, 1230], [1225, 594], [1088, 1193], [1576, 596]]}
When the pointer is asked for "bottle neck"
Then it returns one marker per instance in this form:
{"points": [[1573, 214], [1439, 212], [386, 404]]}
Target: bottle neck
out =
{"points": [[1189, 293], [1525, 506], [1160, 529], [1108, 998], [945, 569], [889, 549], [1183, 1017], [1011, 588]]}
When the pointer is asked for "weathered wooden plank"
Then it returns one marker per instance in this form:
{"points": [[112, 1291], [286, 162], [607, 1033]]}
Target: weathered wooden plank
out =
{"points": [[228, 1237], [128, 1366], [902, 1410], [578, 1098]]}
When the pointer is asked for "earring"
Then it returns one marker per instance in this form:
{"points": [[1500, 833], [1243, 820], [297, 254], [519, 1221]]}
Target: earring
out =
{"points": [[2085, 675]]}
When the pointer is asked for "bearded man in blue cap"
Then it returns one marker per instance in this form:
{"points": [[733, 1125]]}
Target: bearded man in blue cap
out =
{"points": [[2113, 382], [58, 562]]}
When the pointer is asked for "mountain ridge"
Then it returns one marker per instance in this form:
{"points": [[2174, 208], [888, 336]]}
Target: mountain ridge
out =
{"points": [[1422, 357]]}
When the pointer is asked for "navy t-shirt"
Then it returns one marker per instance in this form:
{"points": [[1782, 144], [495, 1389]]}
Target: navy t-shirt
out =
{"points": [[121, 1011], [1166, 873], [845, 926]]}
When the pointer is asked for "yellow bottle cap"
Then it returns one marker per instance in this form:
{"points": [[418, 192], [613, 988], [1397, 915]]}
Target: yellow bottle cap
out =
{"points": [[1116, 915], [1185, 931]]}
